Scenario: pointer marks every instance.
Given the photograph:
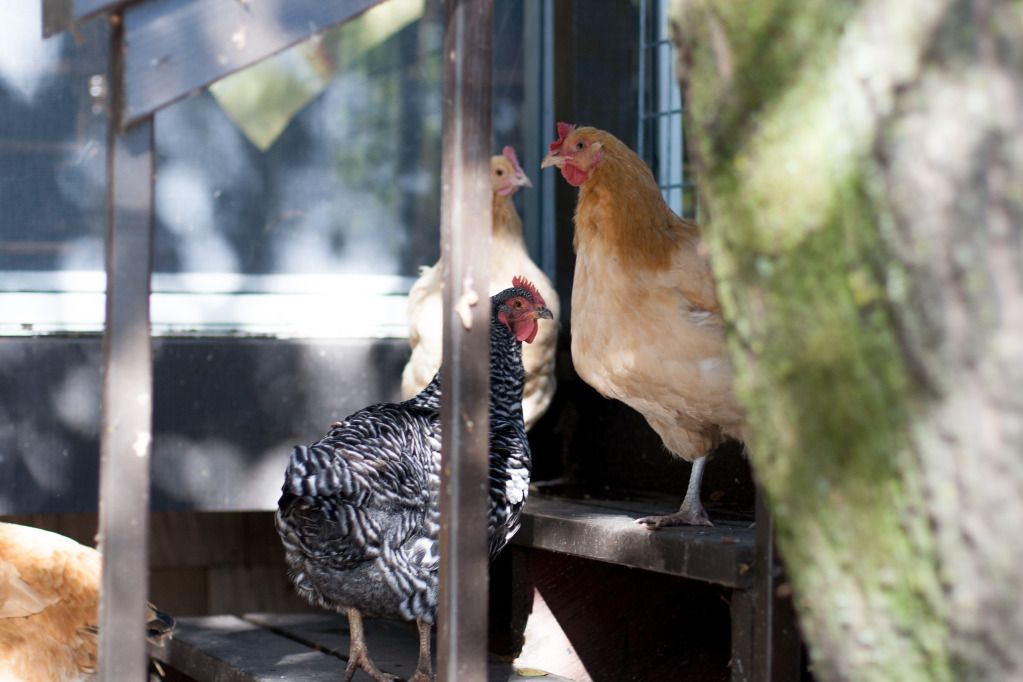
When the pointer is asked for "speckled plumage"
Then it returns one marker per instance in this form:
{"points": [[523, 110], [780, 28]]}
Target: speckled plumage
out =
{"points": [[359, 514]]}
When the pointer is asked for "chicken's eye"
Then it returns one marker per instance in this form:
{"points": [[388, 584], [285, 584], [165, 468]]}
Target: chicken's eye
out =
{"points": [[500, 172], [517, 303], [579, 146]]}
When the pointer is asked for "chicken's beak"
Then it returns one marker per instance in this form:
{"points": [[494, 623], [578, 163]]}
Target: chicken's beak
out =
{"points": [[522, 181], [543, 313], [552, 159]]}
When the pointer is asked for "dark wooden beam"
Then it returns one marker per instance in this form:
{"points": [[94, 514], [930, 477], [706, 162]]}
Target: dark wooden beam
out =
{"points": [[465, 208], [126, 419], [765, 636], [56, 17], [776, 638], [61, 15], [174, 47]]}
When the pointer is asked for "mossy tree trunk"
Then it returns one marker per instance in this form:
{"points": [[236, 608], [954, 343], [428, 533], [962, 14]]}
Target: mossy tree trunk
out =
{"points": [[862, 170]]}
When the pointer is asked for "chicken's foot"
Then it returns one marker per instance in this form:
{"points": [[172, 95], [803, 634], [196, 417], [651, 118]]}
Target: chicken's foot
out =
{"points": [[358, 654], [691, 513], [424, 668]]}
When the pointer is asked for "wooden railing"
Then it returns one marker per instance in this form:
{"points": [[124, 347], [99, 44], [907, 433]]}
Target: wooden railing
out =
{"points": [[162, 51]]}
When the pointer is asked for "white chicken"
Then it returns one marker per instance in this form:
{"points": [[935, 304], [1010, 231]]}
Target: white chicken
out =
{"points": [[508, 258]]}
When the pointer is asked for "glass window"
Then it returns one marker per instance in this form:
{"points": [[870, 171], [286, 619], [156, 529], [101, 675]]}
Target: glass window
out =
{"points": [[298, 197], [53, 135], [301, 196]]}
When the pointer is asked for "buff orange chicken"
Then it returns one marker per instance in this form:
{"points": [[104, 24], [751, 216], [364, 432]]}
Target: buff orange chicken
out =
{"points": [[646, 323]]}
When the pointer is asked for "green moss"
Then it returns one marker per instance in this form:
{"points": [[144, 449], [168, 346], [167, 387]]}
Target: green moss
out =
{"points": [[751, 75], [797, 251], [829, 400]]}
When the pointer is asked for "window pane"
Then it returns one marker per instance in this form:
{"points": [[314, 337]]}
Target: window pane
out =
{"points": [[313, 172], [322, 160], [52, 148]]}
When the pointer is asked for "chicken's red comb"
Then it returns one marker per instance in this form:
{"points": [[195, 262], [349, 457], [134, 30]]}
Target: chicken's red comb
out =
{"points": [[563, 130], [520, 282], [509, 154]]}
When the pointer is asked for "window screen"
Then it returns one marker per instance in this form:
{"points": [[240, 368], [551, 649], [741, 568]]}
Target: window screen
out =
{"points": [[661, 134]]}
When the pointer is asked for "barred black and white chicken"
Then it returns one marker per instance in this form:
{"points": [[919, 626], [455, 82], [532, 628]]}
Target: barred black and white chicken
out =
{"points": [[359, 514]]}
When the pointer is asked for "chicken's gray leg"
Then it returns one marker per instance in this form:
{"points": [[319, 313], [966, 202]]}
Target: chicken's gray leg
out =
{"points": [[691, 513], [424, 668], [358, 654]]}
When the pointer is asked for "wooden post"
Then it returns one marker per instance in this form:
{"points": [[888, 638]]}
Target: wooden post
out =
{"points": [[465, 244], [127, 391], [765, 637]]}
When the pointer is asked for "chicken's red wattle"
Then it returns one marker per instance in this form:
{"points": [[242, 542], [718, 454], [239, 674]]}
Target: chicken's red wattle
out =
{"points": [[575, 176]]}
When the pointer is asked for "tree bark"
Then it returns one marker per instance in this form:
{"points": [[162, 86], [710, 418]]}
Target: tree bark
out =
{"points": [[861, 168]]}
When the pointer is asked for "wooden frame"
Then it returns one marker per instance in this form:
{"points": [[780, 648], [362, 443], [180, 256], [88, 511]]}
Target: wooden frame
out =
{"points": [[156, 61], [126, 422], [151, 70], [465, 203], [223, 36], [765, 639], [62, 15]]}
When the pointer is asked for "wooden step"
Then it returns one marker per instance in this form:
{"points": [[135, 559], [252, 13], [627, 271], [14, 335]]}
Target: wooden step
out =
{"points": [[312, 647], [606, 530]]}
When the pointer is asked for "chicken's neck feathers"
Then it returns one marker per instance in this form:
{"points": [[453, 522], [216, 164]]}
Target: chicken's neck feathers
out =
{"points": [[506, 377], [620, 207], [506, 220]]}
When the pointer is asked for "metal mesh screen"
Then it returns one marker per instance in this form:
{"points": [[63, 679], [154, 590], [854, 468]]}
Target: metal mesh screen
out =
{"points": [[661, 139]]}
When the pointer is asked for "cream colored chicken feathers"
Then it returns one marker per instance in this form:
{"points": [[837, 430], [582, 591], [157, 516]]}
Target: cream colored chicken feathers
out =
{"points": [[508, 258], [49, 598], [646, 323]]}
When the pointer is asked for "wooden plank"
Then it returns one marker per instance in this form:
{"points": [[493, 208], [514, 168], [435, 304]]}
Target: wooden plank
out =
{"points": [[216, 539], [393, 645], [180, 590], [83, 9], [776, 641], [766, 644], [199, 540], [229, 649], [61, 15], [56, 17], [743, 610], [234, 588], [127, 398], [174, 47], [465, 205], [647, 503], [722, 554]]}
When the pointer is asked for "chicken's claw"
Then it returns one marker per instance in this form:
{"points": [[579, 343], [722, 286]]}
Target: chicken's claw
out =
{"points": [[683, 517]]}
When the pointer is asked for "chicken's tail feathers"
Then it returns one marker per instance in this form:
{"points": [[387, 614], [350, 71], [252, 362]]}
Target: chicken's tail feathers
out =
{"points": [[314, 471]]}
